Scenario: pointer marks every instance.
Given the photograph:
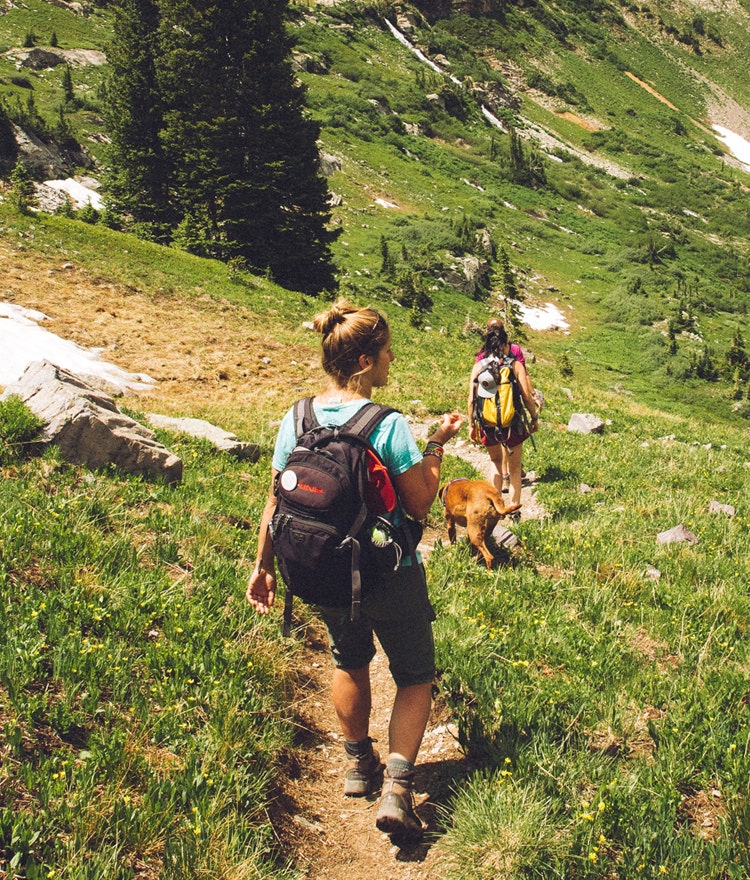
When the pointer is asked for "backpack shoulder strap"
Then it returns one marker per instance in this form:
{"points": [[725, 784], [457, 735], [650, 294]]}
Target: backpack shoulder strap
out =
{"points": [[366, 419], [304, 417]]}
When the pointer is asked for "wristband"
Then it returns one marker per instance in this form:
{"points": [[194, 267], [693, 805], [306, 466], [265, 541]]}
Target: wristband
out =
{"points": [[434, 448]]}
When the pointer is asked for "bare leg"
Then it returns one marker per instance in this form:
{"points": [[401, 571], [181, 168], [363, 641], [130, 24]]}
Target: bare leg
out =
{"points": [[496, 465], [352, 700], [514, 469], [411, 711], [505, 461]]}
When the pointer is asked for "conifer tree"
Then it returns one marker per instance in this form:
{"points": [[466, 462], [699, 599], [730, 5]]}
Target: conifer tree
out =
{"points": [[22, 188], [8, 145], [67, 85], [737, 355], [138, 182], [244, 156]]}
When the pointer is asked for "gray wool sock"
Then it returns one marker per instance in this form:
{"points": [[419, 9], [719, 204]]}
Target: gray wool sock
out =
{"points": [[359, 749], [400, 768]]}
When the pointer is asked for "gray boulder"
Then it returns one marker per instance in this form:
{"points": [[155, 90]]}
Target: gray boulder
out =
{"points": [[678, 535], [329, 164], [585, 423], [468, 273], [222, 440], [87, 426], [716, 507]]}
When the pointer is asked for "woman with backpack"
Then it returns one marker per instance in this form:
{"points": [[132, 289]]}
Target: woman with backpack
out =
{"points": [[357, 355], [503, 444], [516, 351]]}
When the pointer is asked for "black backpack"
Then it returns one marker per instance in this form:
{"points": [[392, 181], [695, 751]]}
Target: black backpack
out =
{"points": [[329, 539]]}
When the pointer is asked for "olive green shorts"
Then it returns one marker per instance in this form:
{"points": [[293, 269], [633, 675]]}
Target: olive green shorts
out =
{"points": [[399, 613]]}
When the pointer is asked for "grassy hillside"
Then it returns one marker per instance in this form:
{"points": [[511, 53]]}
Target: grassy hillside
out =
{"points": [[636, 224], [599, 682]]}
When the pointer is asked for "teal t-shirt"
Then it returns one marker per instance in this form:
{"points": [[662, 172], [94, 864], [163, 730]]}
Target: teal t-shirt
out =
{"points": [[392, 438]]}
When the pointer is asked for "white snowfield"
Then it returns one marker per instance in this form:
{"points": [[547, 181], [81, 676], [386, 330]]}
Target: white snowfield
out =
{"points": [[735, 143], [23, 341], [80, 194]]}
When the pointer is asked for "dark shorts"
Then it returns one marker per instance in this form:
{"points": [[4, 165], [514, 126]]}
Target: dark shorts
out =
{"points": [[399, 613], [508, 438]]}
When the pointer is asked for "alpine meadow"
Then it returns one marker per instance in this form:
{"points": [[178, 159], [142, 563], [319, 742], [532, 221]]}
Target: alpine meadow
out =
{"points": [[246, 164]]}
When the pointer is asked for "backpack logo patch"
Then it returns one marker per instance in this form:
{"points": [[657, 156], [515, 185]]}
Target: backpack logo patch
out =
{"points": [[288, 480]]}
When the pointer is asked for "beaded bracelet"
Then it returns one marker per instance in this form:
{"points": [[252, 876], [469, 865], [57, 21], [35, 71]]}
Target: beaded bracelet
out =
{"points": [[434, 448]]}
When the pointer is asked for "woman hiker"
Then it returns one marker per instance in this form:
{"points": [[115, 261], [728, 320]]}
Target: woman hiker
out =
{"points": [[517, 352], [357, 355], [503, 445]]}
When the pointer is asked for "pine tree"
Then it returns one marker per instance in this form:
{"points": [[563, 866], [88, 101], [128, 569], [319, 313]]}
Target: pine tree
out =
{"points": [[139, 180], [737, 356], [22, 188], [388, 265], [8, 145], [245, 158]]}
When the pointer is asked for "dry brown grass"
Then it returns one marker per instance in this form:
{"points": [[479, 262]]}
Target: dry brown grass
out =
{"points": [[210, 358]]}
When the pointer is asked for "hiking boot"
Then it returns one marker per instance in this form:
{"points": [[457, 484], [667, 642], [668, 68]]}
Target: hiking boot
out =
{"points": [[363, 774], [396, 811]]}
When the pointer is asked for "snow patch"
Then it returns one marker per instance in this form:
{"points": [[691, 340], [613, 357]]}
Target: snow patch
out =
{"points": [[23, 341], [547, 317], [80, 194], [735, 143]]}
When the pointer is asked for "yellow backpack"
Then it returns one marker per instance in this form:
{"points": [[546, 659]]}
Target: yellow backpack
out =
{"points": [[497, 396]]}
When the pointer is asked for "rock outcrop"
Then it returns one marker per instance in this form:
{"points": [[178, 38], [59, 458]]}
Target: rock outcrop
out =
{"points": [[221, 439], [88, 427]]}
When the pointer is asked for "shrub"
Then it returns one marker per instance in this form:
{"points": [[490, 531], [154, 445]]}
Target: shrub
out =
{"points": [[18, 427]]}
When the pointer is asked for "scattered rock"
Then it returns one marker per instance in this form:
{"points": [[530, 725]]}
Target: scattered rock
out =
{"points": [[468, 274], [504, 536], [329, 164], [87, 426], [715, 507], [222, 440], [585, 423], [653, 574], [678, 535]]}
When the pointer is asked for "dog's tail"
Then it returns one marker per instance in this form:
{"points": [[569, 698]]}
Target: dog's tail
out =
{"points": [[497, 503]]}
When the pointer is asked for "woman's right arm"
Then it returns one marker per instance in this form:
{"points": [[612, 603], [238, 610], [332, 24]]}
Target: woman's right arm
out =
{"points": [[261, 588], [418, 486]]}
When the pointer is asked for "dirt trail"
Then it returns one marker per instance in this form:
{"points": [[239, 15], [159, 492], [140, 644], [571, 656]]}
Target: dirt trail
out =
{"points": [[334, 837]]}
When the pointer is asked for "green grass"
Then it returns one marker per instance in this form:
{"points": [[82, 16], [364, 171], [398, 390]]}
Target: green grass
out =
{"points": [[142, 704], [609, 698]]}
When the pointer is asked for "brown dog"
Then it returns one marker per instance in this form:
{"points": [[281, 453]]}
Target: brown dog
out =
{"points": [[476, 505]]}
